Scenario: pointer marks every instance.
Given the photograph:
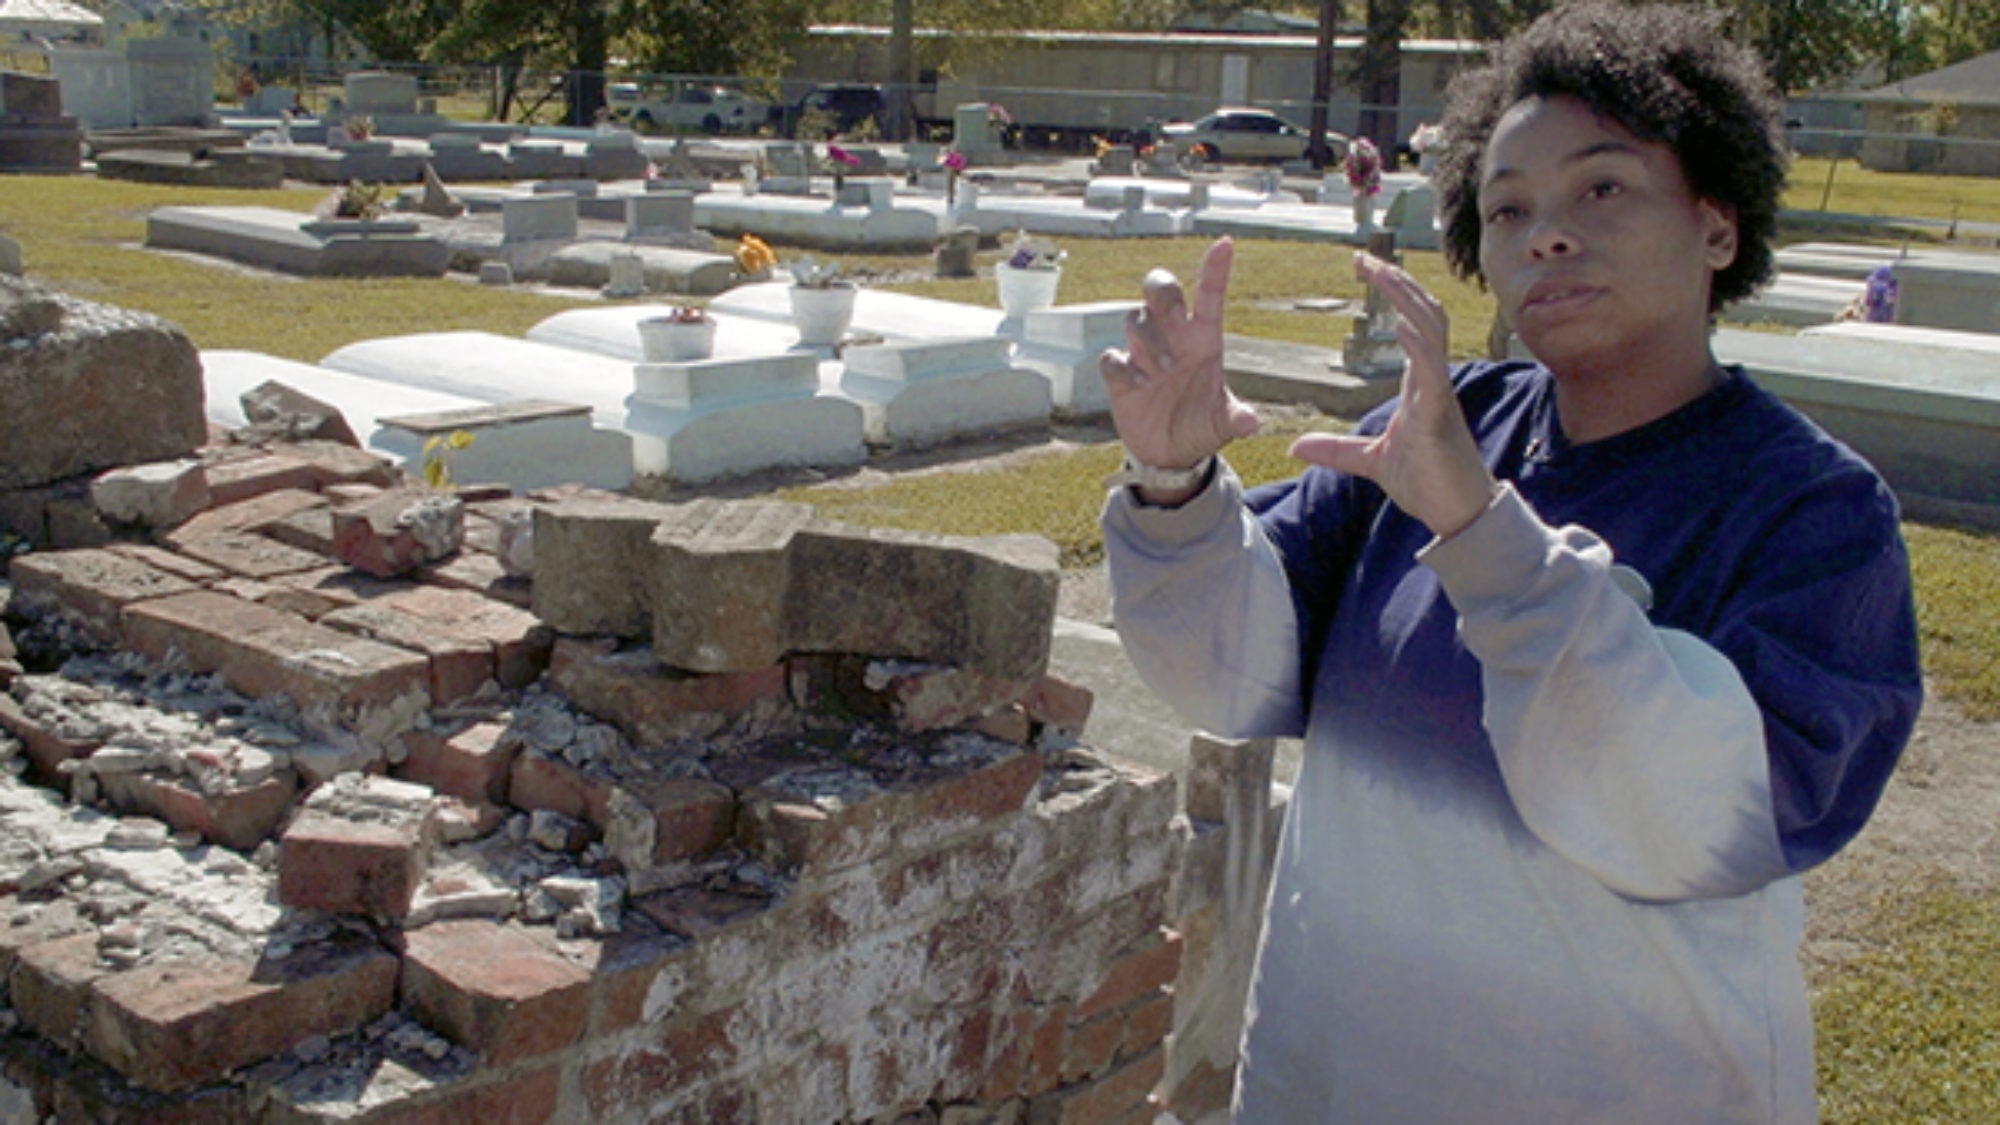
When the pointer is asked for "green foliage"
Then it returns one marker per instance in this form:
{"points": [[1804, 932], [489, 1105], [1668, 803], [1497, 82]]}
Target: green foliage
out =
{"points": [[1908, 1032]]}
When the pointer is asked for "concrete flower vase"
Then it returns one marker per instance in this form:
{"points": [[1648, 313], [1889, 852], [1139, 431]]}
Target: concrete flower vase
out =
{"points": [[663, 339], [822, 314], [1022, 291]]}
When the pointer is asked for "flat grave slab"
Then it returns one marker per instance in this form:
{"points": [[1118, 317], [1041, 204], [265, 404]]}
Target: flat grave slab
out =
{"points": [[281, 240], [491, 368]]}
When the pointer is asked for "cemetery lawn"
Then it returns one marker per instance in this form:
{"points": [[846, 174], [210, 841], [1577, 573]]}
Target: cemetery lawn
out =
{"points": [[1903, 948]]}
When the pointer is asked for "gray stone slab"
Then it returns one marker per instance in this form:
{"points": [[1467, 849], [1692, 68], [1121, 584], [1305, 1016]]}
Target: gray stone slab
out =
{"points": [[1927, 418], [667, 269], [275, 239]]}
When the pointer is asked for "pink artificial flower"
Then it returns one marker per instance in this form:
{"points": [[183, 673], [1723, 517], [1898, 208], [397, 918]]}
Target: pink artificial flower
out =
{"points": [[955, 160], [652, 170], [999, 113], [835, 152]]}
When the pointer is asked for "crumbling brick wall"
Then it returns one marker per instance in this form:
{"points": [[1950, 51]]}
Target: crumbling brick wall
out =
{"points": [[306, 845]]}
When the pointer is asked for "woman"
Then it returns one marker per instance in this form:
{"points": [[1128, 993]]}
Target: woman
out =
{"points": [[1593, 655]]}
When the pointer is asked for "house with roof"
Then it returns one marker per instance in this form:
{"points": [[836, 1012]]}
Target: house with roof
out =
{"points": [[1946, 121]]}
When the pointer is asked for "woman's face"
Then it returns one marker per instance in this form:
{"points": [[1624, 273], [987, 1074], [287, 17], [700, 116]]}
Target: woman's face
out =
{"points": [[1598, 251]]}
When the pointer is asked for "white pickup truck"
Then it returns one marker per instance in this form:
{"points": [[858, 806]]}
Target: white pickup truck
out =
{"points": [[685, 108]]}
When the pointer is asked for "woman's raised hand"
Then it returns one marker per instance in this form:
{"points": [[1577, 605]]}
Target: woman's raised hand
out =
{"points": [[1426, 459], [1168, 398]]}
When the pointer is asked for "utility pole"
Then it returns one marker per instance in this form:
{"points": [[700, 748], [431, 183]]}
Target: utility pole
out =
{"points": [[902, 69], [1329, 22]]}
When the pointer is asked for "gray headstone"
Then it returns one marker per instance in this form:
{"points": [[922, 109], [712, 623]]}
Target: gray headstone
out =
{"points": [[659, 213], [955, 252], [10, 256], [533, 218], [379, 92]]}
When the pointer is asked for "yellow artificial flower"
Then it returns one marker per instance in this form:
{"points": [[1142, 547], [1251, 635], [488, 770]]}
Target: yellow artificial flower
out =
{"points": [[754, 255]]}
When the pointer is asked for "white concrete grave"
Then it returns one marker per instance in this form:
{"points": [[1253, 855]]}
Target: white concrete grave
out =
{"points": [[934, 390], [729, 416], [1911, 336], [817, 221], [1796, 299], [491, 369], [522, 444], [1949, 289], [1063, 344]]}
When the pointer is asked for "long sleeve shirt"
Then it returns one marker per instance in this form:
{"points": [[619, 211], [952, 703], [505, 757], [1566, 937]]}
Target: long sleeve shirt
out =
{"points": [[1561, 770]]}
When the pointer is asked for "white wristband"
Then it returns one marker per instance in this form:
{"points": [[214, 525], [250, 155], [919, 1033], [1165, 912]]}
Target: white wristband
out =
{"points": [[1140, 475]]}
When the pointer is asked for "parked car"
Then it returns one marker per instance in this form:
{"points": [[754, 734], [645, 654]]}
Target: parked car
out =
{"points": [[1248, 135], [842, 106], [686, 108]]}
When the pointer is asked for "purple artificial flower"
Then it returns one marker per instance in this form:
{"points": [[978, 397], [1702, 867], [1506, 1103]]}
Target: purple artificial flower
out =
{"points": [[1879, 300]]}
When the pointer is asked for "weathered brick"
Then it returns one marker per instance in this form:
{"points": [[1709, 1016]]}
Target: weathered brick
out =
{"points": [[589, 555], [695, 912], [46, 746], [178, 1024], [459, 665], [480, 573], [75, 523], [1109, 1100], [1059, 704], [23, 924], [1009, 724], [494, 988], [159, 558], [235, 478], [684, 1055], [1147, 1023], [248, 554], [159, 494], [637, 976], [684, 816], [1150, 965], [932, 697], [240, 817], [315, 593], [337, 463], [398, 531], [532, 1097], [308, 530], [473, 763], [738, 584], [88, 587], [538, 781], [251, 513], [1090, 1045], [959, 802], [333, 859], [263, 651], [51, 982], [651, 703], [519, 640], [71, 1087]]}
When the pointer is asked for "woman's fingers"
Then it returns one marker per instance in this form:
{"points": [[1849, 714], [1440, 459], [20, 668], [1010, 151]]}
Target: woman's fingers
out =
{"points": [[1212, 284]]}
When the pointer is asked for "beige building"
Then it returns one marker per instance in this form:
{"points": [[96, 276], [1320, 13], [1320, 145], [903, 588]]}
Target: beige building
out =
{"points": [[1947, 121]]}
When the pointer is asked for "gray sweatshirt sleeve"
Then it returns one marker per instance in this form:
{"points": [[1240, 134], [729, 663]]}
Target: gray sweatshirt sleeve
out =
{"points": [[1636, 752], [1202, 606]]}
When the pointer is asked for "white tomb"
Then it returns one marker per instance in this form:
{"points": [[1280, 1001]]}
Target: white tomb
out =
{"points": [[925, 392], [714, 418]]}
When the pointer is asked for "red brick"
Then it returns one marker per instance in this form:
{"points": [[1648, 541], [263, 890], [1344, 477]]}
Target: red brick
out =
{"points": [[46, 747], [1151, 966], [51, 983], [691, 817], [684, 1055], [519, 640], [195, 571], [459, 665], [250, 514], [240, 817], [248, 554], [240, 478], [1060, 704], [23, 925], [539, 781], [473, 764], [965, 800], [308, 530], [178, 1024], [937, 697], [651, 703], [1043, 1067], [1148, 1023], [521, 1098], [1009, 724], [1109, 1100], [626, 967], [90, 587], [494, 988], [315, 593], [372, 537], [334, 463], [480, 573], [695, 912], [1007, 1059], [1090, 1045], [262, 651], [331, 862]]}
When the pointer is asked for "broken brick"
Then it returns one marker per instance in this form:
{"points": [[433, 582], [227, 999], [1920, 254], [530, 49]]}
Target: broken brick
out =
{"points": [[494, 988]]}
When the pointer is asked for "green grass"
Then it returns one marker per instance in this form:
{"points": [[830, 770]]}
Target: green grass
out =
{"points": [[1908, 1032], [1858, 191]]}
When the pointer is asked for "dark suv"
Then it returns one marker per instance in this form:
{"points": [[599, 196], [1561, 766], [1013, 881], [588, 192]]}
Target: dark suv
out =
{"points": [[842, 106]]}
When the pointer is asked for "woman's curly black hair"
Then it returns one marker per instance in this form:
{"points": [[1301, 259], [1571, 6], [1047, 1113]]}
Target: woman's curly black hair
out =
{"points": [[1667, 74]]}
